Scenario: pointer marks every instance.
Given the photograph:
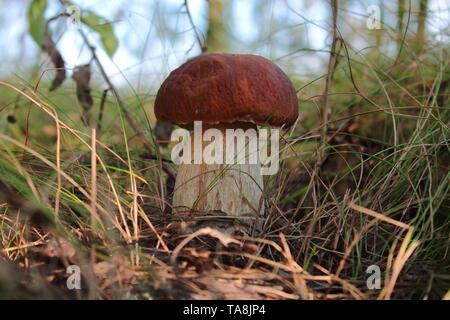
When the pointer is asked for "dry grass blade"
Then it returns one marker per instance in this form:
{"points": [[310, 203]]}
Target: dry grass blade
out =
{"points": [[95, 217], [299, 281], [379, 216], [407, 248]]}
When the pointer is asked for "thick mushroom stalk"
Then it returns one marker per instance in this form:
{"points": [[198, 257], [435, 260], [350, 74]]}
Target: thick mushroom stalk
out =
{"points": [[228, 180], [225, 92]]}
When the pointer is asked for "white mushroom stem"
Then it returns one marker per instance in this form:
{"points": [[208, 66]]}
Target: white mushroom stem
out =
{"points": [[222, 189]]}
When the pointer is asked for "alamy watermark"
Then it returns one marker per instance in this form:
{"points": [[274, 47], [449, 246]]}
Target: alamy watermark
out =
{"points": [[373, 22], [73, 17], [373, 282], [235, 146], [74, 280]]}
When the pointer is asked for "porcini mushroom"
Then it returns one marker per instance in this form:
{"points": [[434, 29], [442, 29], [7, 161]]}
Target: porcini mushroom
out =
{"points": [[225, 91]]}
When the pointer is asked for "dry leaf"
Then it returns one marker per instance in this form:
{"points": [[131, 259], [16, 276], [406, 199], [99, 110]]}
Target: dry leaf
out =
{"points": [[82, 77], [50, 48]]}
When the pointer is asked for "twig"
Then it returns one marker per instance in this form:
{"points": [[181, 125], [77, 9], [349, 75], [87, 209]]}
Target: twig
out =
{"points": [[122, 105], [102, 106], [332, 63], [191, 21]]}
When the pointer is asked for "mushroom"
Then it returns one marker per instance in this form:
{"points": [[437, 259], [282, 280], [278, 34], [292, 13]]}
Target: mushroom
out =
{"points": [[225, 91]]}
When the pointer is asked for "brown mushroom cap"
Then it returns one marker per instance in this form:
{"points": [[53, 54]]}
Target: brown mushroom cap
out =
{"points": [[226, 88]]}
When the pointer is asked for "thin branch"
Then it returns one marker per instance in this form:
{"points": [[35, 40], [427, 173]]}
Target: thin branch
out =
{"points": [[114, 90], [102, 107], [332, 63], [124, 109], [191, 21]]}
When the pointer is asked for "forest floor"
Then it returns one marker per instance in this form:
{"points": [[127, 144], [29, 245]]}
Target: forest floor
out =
{"points": [[365, 193]]}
